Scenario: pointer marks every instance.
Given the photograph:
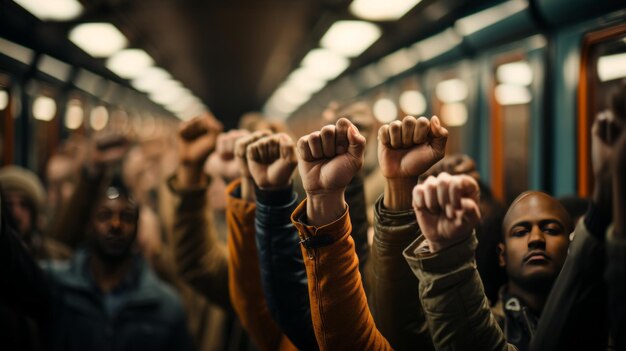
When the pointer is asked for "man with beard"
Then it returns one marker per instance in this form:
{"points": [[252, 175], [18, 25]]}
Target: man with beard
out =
{"points": [[106, 297]]}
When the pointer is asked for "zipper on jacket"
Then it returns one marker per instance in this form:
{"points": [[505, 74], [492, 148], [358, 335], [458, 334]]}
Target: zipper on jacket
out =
{"points": [[527, 320]]}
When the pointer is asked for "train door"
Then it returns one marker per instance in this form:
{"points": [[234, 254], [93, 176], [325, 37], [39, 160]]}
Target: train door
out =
{"points": [[602, 74]]}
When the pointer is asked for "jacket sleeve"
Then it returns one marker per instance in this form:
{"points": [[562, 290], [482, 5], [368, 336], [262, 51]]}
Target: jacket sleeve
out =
{"points": [[453, 298], [245, 287], [574, 316], [282, 269], [393, 289], [355, 198], [616, 281], [200, 257], [341, 317]]}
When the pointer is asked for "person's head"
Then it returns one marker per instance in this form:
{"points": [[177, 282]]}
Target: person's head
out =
{"points": [[24, 196], [113, 223], [535, 240]]}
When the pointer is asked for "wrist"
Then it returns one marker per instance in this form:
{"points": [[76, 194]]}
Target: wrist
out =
{"points": [[397, 195], [189, 176], [247, 189], [324, 208]]}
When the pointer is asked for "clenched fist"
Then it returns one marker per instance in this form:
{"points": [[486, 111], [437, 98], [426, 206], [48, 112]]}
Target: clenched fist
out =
{"points": [[408, 148], [196, 140], [271, 161], [329, 159], [223, 162], [446, 208]]}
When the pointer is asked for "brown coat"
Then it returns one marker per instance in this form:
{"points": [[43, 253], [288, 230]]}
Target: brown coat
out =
{"points": [[341, 316], [246, 292]]}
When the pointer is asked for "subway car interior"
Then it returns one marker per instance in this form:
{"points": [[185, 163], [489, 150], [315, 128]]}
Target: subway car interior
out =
{"points": [[517, 86]]}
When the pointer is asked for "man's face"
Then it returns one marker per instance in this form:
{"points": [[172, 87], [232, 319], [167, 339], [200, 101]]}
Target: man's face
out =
{"points": [[20, 211], [114, 226], [535, 240]]}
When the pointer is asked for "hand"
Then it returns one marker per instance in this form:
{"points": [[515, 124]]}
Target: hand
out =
{"points": [[604, 132], [446, 208], [106, 149], [271, 161], [329, 159], [406, 149], [196, 140], [241, 148], [223, 162]]}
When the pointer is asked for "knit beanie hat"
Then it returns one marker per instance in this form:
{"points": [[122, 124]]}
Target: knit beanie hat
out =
{"points": [[15, 178]]}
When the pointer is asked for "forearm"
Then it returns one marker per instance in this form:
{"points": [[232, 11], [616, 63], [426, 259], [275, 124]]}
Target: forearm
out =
{"points": [[355, 198], [69, 227], [245, 287], [453, 299], [341, 317], [394, 290], [200, 257], [282, 269]]}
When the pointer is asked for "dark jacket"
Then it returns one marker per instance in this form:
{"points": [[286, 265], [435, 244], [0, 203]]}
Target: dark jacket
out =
{"points": [[616, 281], [515, 319], [283, 274], [148, 315], [393, 289]]}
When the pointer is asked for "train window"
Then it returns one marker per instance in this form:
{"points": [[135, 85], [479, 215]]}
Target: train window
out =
{"points": [[385, 110], [411, 100], [511, 118], [99, 118], [603, 69], [44, 128], [450, 105], [7, 124]]}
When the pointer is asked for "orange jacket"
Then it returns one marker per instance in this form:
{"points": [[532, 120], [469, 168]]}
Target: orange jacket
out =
{"points": [[246, 292], [341, 317]]}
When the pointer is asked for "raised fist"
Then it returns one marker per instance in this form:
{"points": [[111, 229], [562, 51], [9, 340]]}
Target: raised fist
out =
{"points": [[408, 148], [223, 162], [271, 161], [446, 208], [106, 149], [197, 138], [241, 147], [330, 158]]}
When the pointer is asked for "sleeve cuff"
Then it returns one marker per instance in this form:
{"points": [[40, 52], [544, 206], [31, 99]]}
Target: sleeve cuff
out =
{"points": [[418, 255], [274, 198], [326, 234]]}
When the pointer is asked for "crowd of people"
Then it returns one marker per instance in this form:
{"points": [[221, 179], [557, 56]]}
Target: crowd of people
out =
{"points": [[351, 237]]}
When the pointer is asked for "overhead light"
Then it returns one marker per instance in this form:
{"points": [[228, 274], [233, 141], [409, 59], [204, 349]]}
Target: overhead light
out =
{"points": [[4, 99], [454, 115], [44, 108], [168, 92], [99, 118], [438, 44], [385, 110], [515, 73], [74, 114], [57, 10], [483, 19], [305, 81], [182, 103], [129, 63], [412, 102], [292, 96], [452, 90], [350, 38], [325, 64], [612, 67], [150, 79], [98, 39], [396, 63], [507, 94], [382, 10]]}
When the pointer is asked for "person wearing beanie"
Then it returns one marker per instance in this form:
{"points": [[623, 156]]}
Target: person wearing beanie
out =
{"points": [[25, 198]]}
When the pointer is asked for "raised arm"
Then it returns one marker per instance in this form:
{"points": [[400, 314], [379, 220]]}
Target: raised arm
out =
{"points": [[271, 162], [245, 287], [406, 150], [452, 294], [200, 257], [329, 159]]}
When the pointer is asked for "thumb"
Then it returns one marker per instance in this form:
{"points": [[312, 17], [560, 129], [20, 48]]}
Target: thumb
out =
{"points": [[471, 212], [356, 142], [439, 135]]}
